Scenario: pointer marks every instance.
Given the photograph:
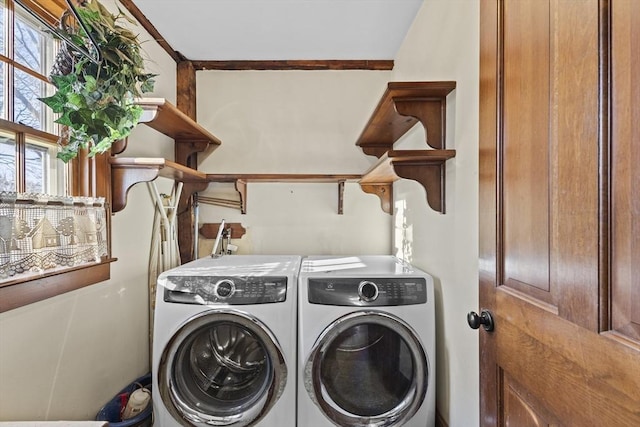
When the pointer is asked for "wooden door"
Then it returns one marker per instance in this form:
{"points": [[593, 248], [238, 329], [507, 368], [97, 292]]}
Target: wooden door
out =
{"points": [[560, 212]]}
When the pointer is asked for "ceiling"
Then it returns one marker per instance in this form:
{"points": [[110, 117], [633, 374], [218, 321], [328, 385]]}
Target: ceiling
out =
{"points": [[266, 30]]}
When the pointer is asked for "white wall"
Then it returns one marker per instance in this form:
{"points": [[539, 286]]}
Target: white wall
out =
{"points": [[64, 357], [443, 45], [294, 122]]}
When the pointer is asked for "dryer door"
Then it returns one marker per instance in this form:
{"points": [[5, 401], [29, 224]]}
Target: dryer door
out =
{"points": [[367, 368], [221, 368]]}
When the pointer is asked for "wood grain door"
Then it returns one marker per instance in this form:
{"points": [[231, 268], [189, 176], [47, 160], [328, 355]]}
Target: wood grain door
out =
{"points": [[560, 212]]}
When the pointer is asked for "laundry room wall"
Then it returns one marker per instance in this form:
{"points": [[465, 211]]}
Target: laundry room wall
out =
{"points": [[294, 122], [65, 357], [442, 44]]}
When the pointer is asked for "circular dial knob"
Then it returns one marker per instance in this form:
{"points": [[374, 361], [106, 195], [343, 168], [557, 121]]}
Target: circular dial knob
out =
{"points": [[225, 288], [368, 291]]}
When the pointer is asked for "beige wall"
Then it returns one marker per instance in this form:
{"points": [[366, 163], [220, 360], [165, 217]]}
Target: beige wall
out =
{"points": [[65, 357], [294, 122], [443, 45]]}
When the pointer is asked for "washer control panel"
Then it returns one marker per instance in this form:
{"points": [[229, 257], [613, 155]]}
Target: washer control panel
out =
{"points": [[374, 292], [239, 290]]}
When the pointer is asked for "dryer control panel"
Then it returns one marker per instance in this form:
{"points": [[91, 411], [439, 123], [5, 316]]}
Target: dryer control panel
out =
{"points": [[368, 292], [233, 290]]}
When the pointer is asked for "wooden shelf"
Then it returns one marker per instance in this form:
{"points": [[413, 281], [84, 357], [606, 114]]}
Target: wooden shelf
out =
{"points": [[402, 105], [164, 117], [241, 180], [128, 171], [190, 138], [424, 166], [281, 177]]}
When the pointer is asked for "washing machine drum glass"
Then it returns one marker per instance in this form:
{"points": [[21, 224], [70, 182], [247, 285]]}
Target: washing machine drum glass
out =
{"points": [[223, 368], [368, 368]]}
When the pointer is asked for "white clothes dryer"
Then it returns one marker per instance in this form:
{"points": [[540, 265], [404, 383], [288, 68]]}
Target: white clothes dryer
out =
{"points": [[224, 343], [366, 343]]}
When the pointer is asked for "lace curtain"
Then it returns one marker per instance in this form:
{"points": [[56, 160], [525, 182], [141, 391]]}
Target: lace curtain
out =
{"points": [[41, 233]]}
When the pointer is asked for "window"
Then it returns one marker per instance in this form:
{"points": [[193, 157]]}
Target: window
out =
{"points": [[26, 54], [28, 163], [34, 170]]}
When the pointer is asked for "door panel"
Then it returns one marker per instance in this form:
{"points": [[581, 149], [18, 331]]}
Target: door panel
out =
{"points": [[549, 152], [626, 170], [559, 209], [573, 146], [521, 409], [525, 146]]}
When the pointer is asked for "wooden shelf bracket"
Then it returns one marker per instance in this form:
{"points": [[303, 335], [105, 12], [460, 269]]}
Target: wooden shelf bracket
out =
{"points": [[384, 193]]}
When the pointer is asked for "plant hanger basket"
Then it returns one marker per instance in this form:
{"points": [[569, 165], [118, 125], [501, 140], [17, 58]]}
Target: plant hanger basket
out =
{"points": [[98, 72], [68, 54]]}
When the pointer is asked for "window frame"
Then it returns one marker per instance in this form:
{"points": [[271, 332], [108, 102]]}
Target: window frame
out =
{"points": [[86, 176]]}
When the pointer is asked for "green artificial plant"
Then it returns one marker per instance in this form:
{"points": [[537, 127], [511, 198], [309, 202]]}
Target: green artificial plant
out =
{"points": [[95, 100]]}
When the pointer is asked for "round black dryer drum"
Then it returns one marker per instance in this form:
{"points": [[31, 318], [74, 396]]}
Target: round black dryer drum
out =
{"points": [[221, 368], [368, 368]]}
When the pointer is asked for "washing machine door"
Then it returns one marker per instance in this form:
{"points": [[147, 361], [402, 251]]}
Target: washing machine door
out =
{"points": [[222, 368], [367, 368]]}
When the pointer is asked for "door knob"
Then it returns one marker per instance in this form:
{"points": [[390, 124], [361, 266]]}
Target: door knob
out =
{"points": [[484, 318]]}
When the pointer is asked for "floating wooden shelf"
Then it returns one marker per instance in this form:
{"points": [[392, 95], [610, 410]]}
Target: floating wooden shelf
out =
{"points": [[402, 105], [190, 138], [128, 171], [281, 177], [425, 166], [241, 181], [164, 117]]}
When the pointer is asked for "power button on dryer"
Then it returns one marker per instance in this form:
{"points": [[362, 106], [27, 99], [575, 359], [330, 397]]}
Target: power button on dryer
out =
{"points": [[225, 288], [368, 291]]}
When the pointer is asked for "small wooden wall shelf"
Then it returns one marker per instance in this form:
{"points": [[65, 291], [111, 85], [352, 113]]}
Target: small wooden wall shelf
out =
{"points": [[128, 171], [402, 105], [164, 117], [424, 166], [241, 181]]}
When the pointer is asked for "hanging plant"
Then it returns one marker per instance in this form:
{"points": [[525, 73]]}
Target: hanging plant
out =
{"points": [[95, 99]]}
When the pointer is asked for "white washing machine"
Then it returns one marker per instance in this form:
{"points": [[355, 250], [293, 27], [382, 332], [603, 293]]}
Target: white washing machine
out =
{"points": [[366, 343], [224, 346]]}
